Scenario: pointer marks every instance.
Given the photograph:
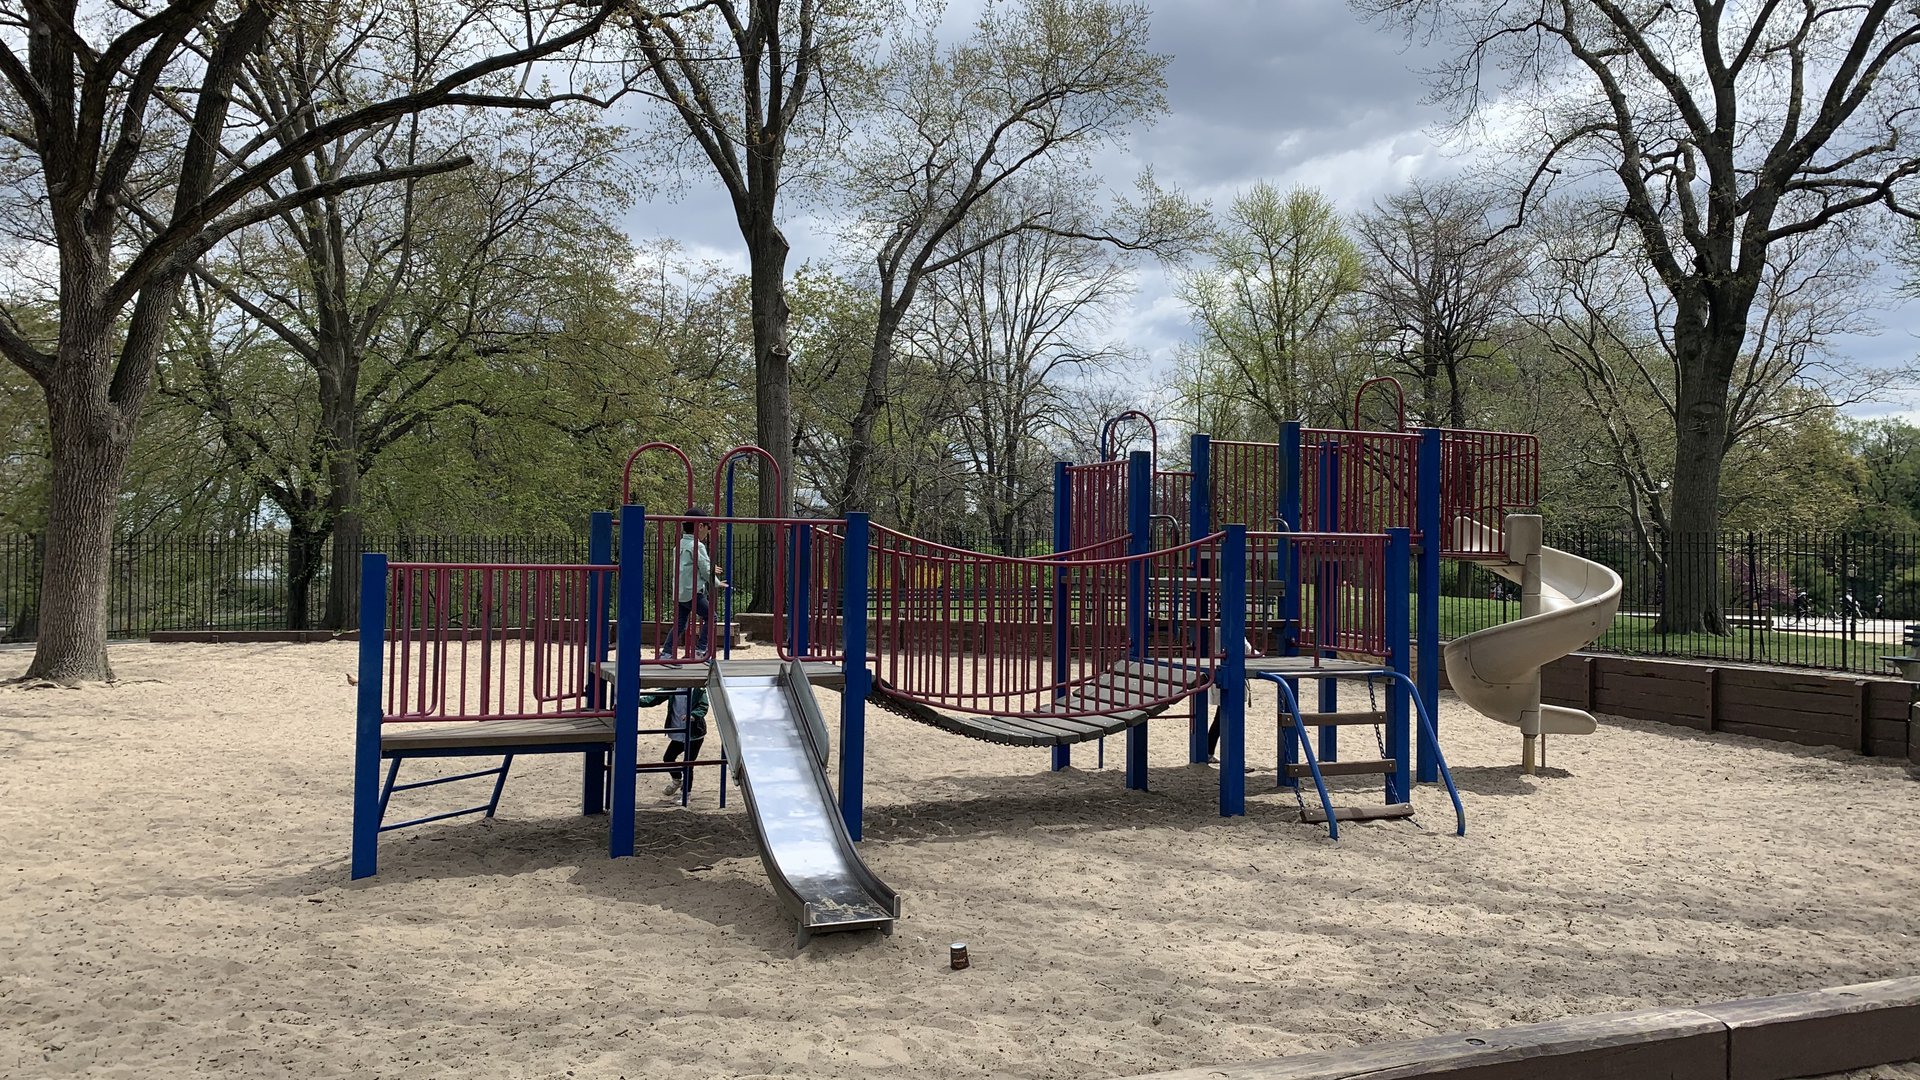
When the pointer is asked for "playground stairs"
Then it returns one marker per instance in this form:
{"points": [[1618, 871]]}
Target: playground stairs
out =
{"points": [[1384, 766]]}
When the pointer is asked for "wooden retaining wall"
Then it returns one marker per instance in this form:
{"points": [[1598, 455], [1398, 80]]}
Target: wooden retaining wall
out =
{"points": [[1871, 716], [1776, 1038]]}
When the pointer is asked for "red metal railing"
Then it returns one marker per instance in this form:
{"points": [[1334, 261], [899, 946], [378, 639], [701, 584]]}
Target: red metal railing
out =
{"points": [[1245, 482], [975, 633], [1376, 480], [1342, 602], [1099, 496], [1172, 507], [1484, 476], [488, 641]]}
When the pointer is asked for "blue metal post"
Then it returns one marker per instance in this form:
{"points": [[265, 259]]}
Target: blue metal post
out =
{"points": [[1289, 635], [367, 715], [1233, 672], [1139, 542], [626, 678], [1062, 540], [1428, 516], [1399, 642], [802, 568], [853, 661], [593, 765], [1326, 590], [1200, 524]]}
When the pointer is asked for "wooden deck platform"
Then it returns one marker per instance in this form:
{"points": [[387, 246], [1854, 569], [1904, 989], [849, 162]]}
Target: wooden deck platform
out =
{"points": [[1119, 697], [694, 673], [478, 734]]}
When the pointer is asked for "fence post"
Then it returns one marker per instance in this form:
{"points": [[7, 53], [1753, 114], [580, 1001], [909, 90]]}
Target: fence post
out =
{"points": [[1753, 593]]}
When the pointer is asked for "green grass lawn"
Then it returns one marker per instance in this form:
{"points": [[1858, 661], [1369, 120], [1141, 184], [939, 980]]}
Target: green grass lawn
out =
{"points": [[1636, 635]]}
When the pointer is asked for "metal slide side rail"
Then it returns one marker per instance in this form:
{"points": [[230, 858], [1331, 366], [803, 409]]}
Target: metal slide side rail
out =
{"points": [[773, 732]]}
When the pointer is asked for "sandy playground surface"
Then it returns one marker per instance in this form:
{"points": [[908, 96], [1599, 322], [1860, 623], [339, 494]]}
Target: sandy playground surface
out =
{"points": [[175, 900]]}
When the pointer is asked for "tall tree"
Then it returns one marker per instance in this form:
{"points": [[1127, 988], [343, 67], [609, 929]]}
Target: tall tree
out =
{"points": [[131, 156], [746, 80], [1441, 278], [1598, 308], [1273, 311], [1728, 128], [1036, 87], [1011, 327], [386, 296]]}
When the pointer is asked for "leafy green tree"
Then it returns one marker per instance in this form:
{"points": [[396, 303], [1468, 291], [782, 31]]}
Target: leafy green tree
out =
{"points": [[127, 155], [1273, 314], [1725, 131]]}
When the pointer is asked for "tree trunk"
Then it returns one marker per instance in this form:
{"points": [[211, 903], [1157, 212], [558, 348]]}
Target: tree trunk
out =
{"points": [[340, 425], [305, 539], [91, 442], [772, 403], [856, 493], [1690, 598]]}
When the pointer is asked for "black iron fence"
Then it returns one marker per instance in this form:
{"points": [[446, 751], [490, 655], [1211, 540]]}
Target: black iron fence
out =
{"points": [[1835, 601], [1819, 600]]}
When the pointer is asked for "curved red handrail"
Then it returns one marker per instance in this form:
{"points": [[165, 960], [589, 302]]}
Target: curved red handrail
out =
{"points": [[748, 450], [626, 474], [1055, 558], [1400, 393], [1106, 434]]}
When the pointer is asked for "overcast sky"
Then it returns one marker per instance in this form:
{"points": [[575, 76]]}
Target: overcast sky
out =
{"points": [[1289, 91]]}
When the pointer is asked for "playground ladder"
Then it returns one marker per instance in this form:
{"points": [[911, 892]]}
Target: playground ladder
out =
{"points": [[1294, 725]]}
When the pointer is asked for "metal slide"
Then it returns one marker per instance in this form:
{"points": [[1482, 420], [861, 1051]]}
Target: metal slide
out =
{"points": [[1497, 670], [776, 739]]}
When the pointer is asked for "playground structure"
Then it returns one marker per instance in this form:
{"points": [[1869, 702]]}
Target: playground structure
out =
{"points": [[1144, 604]]}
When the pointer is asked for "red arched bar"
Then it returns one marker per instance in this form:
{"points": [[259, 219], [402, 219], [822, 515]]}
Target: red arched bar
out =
{"points": [[626, 474], [1400, 392], [1106, 434]]}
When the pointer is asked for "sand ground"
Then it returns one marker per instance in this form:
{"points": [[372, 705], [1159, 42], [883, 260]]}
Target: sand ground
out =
{"points": [[174, 900]]}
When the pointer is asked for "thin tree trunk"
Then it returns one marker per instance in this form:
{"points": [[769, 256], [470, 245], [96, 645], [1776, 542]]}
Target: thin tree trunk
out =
{"points": [[772, 403], [856, 493], [340, 421]]}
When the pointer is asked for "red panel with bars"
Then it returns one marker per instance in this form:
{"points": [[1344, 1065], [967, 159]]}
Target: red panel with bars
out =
{"points": [[974, 632], [478, 641], [1484, 476], [1377, 480], [1343, 591], [1245, 482], [1099, 496]]}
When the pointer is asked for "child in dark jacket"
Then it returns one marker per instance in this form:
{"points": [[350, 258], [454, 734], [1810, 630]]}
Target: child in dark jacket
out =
{"points": [[686, 730]]}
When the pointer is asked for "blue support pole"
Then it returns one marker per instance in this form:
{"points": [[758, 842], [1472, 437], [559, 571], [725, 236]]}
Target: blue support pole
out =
{"points": [[593, 764], [367, 716], [1200, 524], [802, 587], [626, 678], [1428, 517], [1232, 676], [1139, 542], [853, 660], [1326, 590], [1289, 636], [1399, 643], [1062, 540]]}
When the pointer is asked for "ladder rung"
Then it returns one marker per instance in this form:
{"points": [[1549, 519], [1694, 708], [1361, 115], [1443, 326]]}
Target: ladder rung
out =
{"points": [[1335, 719], [1344, 768], [1317, 815]]}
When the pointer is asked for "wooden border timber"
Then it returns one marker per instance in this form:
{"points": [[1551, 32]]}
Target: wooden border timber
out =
{"points": [[1778, 1038], [1845, 710]]}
